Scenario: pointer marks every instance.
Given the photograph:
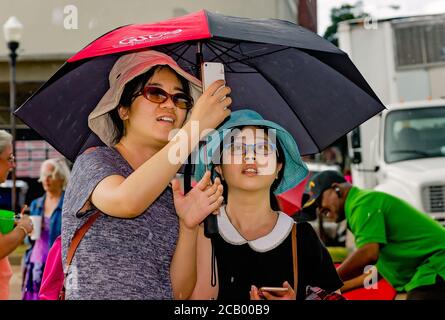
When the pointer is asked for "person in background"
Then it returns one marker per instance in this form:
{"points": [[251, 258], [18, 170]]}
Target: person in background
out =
{"points": [[407, 246], [54, 175], [305, 215], [9, 242], [332, 156]]}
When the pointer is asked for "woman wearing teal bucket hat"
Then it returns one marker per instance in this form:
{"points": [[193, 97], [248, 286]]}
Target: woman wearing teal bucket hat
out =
{"points": [[257, 245], [12, 237]]}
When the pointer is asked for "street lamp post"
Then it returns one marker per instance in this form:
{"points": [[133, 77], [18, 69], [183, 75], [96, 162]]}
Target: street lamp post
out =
{"points": [[13, 33]]}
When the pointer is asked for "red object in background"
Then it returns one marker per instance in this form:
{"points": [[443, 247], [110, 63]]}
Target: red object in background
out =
{"points": [[290, 201], [384, 291], [307, 14]]}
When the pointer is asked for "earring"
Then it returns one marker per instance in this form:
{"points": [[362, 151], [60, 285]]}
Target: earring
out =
{"points": [[337, 190]]}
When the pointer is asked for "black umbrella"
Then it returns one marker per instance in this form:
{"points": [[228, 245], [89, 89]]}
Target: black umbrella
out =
{"points": [[285, 72]]}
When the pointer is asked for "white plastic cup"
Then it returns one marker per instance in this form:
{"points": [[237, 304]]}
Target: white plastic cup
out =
{"points": [[37, 224]]}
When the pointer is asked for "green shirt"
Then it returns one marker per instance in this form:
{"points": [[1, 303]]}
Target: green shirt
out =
{"points": [[412, 244]]}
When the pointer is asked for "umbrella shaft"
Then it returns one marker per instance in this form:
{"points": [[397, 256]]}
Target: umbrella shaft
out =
{"points": [[199, 58], [188, 166]]}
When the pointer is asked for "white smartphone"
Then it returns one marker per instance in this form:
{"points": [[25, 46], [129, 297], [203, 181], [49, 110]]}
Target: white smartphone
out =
{"points": [[210, 72]]}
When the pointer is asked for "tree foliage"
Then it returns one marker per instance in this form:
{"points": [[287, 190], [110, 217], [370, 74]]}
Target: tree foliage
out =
{"points": [[343, 13]]}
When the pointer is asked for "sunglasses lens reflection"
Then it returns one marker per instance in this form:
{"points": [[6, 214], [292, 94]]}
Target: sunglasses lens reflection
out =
{"points": [[158, 95]]}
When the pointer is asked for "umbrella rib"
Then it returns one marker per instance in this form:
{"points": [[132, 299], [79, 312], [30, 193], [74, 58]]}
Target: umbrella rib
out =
{"points": [[210, 47], [268, 53], [278, 91], [249, 57], [193, 64], [179, 56], [235, 60], [274, 86], [186, 47], [225, 49], [244, 61], [263, 54]]}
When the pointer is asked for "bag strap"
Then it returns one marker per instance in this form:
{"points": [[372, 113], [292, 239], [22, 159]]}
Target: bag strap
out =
{"points": [[78, 236], [75, 241], [295, 257]]}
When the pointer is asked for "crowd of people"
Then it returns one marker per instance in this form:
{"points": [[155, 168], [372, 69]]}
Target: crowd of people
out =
{"points": [[147, 240]]}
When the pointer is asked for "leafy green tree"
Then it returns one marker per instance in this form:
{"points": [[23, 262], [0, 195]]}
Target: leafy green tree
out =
{"points": [[343, 13]]}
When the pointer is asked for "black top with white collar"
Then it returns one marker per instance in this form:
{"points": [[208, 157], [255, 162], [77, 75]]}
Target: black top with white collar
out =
{"points": [[267, 261]]}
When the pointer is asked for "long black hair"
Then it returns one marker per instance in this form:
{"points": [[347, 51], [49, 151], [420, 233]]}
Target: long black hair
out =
{"points": [[131, 89], [280, 159]]}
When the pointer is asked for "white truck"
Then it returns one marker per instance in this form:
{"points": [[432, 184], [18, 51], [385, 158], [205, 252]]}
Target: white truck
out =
{"points": [[402, 150]]}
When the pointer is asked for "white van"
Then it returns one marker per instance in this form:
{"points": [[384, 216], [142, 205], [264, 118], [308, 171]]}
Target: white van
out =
{"points": [[402, 152]]}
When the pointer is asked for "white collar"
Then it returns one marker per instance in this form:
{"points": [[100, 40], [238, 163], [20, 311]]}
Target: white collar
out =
{"points": [[268, 242]]}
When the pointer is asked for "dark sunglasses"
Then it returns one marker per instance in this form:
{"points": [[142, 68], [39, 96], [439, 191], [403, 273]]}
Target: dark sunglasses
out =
{"points": [[158, 95]]}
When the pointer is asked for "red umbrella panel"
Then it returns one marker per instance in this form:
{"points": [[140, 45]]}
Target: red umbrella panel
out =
{"points": [[140, 36]]}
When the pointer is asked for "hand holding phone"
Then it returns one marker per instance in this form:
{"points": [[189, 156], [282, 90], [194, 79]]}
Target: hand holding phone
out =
{"points": [[211, 72], [274, 289], [273, 293], [211, 107]]}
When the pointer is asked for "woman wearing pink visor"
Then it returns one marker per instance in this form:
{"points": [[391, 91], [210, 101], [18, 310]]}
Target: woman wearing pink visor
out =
{"points": [[135, 247]]}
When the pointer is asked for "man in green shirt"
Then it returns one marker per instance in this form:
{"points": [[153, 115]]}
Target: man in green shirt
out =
{"points": [[406, 245]]}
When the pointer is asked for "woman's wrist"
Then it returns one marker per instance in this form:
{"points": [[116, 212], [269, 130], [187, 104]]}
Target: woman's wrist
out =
{"points": [[188, 229], [23, 229], [347, 286], [26, 226]]}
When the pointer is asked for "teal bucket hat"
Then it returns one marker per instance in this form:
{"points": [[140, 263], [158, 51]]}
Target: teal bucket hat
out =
{"points": [[295, 170]]}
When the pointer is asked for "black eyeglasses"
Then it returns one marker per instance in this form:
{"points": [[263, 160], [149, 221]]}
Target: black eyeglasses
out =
{"points": [[158, 95], [261, 148]]}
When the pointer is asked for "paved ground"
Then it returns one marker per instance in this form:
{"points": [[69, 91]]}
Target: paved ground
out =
{"points": [[15, 283]]}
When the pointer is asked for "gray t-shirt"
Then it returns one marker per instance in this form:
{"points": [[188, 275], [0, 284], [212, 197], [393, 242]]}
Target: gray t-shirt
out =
{"points": [[117, 258]]}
